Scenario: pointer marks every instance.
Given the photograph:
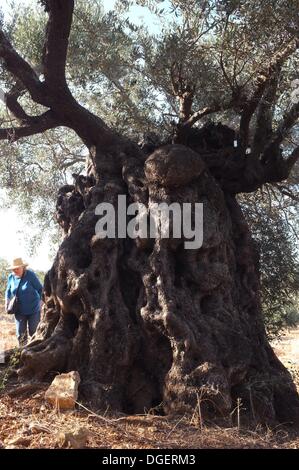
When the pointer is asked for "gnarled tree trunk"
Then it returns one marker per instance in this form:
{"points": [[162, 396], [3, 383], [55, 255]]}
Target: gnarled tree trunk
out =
{"points": [[148, 322]]}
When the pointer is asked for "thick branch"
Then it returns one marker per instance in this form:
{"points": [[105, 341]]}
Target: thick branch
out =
{"points": [[53, 93], [13, 105], [264, 119], [43, 123], [16, 109], [287, 123], [174, 83], [22, 71], [56, 44], [186, 101], [263, 79], [30, 124], [204, 112]]}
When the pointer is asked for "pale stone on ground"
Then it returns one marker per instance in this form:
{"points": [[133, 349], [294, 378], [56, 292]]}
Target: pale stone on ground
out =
{"points": [[63, 392]]}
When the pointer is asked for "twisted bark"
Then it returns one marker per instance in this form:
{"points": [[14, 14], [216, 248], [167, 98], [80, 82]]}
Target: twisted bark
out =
{"points": [[147, 321]]}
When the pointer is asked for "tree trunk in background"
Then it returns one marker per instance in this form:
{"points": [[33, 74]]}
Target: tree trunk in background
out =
{"points": [[147, 322]]}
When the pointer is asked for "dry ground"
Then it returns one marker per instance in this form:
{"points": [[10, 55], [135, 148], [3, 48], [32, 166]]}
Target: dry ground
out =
{"points": [[29, 422], [287, 348], [7, 331]]}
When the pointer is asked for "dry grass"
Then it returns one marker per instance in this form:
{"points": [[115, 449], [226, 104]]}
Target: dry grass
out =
{"points": [[287, 348], [32, 423], [36, 425]]}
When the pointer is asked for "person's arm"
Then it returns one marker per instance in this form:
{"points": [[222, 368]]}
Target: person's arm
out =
{"points": [[8, 292], [36, 284]]}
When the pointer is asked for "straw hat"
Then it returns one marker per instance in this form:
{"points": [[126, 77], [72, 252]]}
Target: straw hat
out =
{"points": [[18, 263]]}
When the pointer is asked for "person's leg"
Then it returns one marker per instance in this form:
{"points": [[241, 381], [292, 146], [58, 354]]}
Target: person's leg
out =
{"points": [[21, 329], [33, 321]]}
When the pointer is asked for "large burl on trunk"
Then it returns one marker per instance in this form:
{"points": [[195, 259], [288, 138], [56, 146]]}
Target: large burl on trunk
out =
{"points": [[148, 322]]}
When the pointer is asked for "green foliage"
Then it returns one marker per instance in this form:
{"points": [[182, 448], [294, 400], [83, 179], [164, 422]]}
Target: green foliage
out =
{"points": [[33, 173], [279, 263], [41, 276]]}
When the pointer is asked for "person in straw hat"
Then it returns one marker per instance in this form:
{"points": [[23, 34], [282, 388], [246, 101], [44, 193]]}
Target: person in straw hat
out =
{"points": [[29, 292]]}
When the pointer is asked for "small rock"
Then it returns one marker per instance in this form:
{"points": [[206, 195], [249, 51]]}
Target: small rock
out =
{"points": [[74, 440], [1, 445], [63, 392], [153, 429]]}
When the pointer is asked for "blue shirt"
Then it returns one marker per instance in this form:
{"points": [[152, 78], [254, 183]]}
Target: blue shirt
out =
{"points": [[29, 294]]}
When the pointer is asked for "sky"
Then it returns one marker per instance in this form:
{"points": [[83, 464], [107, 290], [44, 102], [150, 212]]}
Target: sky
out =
{"points": [[13, 227], [138, 14], [13, 245]]}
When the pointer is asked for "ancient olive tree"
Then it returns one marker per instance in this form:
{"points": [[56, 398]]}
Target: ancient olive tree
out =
{"points": [[146, 321]]}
